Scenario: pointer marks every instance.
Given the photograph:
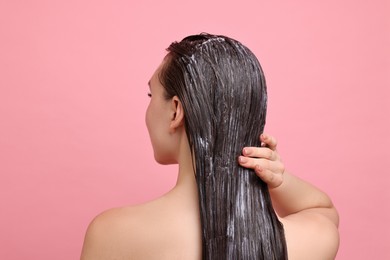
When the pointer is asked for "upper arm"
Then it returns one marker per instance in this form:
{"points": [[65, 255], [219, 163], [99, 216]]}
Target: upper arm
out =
{"points": [[311, 235]]}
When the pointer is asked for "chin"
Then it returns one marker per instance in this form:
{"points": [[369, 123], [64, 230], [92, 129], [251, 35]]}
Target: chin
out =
{"points": [[164, 160]]}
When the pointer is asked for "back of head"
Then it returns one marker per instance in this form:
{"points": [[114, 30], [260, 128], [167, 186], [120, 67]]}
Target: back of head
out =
{"points": [[223, 92]]}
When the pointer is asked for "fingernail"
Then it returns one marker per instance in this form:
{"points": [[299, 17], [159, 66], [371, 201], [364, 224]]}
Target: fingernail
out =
{"points": [[264, 136], [242, 159], [246, 151]]}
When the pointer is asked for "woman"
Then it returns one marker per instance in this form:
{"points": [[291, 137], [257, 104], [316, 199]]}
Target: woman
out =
{"points": [[208, 100]]}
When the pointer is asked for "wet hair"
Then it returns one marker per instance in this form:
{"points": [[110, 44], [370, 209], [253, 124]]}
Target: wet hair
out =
{"points": [[222, 89]]}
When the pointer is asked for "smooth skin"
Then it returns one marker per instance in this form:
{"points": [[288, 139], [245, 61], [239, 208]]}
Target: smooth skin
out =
{"points": [[169, 227]]}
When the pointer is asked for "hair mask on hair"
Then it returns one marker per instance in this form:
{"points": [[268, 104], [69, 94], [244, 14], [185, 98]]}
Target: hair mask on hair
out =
{"points": [[223, 92]]}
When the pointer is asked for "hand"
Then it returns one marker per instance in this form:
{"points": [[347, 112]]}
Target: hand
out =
{"points": [[265, 160]]}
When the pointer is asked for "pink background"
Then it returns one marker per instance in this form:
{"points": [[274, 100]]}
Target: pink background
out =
{"points": [[73, 85]]}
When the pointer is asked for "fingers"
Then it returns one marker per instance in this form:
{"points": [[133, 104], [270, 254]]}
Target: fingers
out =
{"points": [[277, 167], [268, 141], [252, 162], [265, 161], [272, 180], [263, 152], [271, 172]]}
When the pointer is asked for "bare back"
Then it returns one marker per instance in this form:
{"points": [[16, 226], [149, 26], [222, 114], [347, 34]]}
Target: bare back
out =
{"points": [[169, 228], [166, 228]]}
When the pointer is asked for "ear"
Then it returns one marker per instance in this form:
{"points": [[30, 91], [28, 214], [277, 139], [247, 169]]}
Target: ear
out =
{"points": [[177, 117]]}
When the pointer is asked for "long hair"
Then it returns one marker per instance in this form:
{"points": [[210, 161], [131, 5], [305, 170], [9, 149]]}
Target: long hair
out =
{"points": [[223, 92]]}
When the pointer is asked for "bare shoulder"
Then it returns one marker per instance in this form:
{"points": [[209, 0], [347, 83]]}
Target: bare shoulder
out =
{"points": [[310, 235], [102, 239], [149, 231]]}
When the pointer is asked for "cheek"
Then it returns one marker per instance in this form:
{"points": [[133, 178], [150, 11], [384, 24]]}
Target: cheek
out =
{"points": [[152, 116], [147, 117], [152, 124], [159, 136]]}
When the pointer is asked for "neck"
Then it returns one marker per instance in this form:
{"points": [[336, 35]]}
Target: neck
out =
{"points": [[186, 176]]}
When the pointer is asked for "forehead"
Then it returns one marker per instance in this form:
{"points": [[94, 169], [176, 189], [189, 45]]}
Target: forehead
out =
{"points": [[155, 80]]}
